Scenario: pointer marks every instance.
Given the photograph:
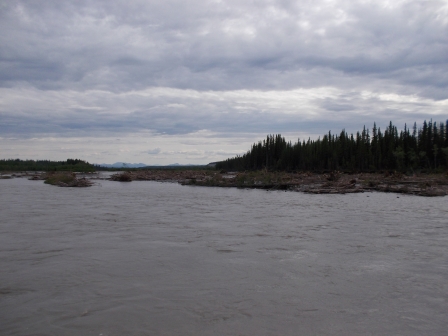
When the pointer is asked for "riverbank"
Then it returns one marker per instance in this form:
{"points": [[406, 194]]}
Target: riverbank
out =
{"points": [[428, 185], [331, 183], [60, 179]]}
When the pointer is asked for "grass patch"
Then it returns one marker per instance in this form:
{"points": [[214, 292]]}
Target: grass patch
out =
{"points": [[57, 178]]}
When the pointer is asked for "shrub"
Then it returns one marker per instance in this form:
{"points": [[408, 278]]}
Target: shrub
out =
{"points": [[57, 178]]}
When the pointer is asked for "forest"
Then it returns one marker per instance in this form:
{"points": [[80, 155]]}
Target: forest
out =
{"points": [[46, 165], [423, 149]]}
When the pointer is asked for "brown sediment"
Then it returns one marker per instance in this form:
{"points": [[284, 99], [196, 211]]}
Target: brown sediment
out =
{"points": [[329, 183]]}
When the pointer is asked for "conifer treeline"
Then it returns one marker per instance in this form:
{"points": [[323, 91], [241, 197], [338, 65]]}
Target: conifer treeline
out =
{"points": [[425, 148], [46, 165]]}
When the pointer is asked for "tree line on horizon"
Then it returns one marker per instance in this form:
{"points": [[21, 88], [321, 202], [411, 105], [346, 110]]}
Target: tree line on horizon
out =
{"points": [[46, 165], [419, 149]]}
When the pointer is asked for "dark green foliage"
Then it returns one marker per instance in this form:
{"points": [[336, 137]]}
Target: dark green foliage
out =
{"points": [[423, 149], [46, 165]]}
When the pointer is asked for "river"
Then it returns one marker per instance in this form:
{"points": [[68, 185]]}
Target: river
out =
{"points": [[150, 258]]}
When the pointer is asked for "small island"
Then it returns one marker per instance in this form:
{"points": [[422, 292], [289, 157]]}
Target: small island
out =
{"points": [[411, 162]]}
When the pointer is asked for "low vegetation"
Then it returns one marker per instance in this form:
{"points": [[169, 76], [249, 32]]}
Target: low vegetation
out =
{"points": [[66, 179]]}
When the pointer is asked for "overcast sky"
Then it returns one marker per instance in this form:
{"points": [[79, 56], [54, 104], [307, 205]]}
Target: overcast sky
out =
{"points": [[179, 81]]}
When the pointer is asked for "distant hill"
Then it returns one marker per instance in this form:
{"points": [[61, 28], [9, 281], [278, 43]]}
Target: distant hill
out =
{"points": [[175, 165], [122, 165], [182, 165], [141, 165]]}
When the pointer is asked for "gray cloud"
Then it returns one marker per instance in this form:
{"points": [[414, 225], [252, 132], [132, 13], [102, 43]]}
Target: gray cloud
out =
{"points": [[221, 45], [32, 112], [83, 68], [153, 151]]}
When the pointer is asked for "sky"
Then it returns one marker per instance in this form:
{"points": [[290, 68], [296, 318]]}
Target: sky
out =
{"points": [[195, 81]]}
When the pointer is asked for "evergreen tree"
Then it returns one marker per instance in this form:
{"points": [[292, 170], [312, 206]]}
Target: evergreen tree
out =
{"points": [[424, 148]]}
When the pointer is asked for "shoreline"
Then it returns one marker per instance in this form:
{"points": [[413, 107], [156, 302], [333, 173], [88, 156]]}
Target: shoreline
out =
{"points": [[428, 185]]}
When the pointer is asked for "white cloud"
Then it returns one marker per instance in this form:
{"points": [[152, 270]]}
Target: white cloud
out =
{"points": [[95, 69]]}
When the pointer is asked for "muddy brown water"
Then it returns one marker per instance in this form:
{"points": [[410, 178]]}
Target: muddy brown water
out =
{"points": [[148, 258]]}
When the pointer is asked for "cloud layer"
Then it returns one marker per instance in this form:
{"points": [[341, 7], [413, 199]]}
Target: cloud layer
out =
{"points": [[79, 69]]}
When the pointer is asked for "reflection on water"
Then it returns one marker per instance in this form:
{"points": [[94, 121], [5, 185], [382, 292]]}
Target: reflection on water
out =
{"points": [[146, 258]]}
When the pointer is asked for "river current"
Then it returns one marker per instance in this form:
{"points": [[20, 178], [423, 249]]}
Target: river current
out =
{"points": [[149, 258]]}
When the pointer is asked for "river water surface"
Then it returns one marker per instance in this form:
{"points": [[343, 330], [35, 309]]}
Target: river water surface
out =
{"points": [[148, 258]]}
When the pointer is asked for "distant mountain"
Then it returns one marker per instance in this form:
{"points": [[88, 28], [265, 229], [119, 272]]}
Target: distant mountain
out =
{"points": [[140, 165], [176, 165], [122, 165], [182, 165]]}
